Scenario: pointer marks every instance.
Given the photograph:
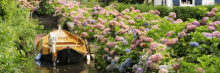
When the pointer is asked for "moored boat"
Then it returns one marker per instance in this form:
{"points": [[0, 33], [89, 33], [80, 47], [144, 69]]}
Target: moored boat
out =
{"points": [[62, 46]]}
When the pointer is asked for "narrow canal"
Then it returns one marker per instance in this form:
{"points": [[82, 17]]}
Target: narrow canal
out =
{"points": [[79, 67]]}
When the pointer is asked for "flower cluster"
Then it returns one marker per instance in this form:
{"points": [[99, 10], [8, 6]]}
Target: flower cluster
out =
{"points": [[169, 34], [194, 44], [156, 58], [176, 66], [110, 44], [196, 23], [172, 14], [154, 12], [204, 20], [31, 5]]}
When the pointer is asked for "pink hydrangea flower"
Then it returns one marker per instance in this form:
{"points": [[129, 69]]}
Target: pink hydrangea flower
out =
{"points": [[163, 71], [176, 67], [217, 22], [191, 27], [143, 45], [214, 9], [142, 28], [211, 27], [153, 45], [181, 34], [133, 46], [152, 11], [169, 33], [105, 40], [84, 34], [147, 39], [216, 34], [204, 19], [171, 42], [156, 58], [157, 12], [90, 30], [110, 44], [132, 22], [196, 23], [106, 50], [172, 14], [127, 17], [208, 35], [131, 8], [163, 40], [210, 14], [118, 38]]}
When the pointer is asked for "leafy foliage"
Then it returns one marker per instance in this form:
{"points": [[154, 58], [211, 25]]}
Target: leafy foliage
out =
{"points": [[17, 33]]}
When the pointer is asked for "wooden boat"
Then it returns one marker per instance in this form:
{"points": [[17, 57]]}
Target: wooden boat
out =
{"points": [[62, 46]]}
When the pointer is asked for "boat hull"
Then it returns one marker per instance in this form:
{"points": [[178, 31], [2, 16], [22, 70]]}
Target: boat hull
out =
{"points": [[66, 56]]}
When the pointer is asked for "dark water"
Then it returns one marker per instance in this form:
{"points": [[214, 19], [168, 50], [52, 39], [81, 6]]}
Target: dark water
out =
{"points": [[79, 67]]}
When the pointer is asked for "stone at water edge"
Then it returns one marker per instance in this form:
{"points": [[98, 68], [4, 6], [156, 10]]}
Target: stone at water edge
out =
{"points": [[37, 58]]}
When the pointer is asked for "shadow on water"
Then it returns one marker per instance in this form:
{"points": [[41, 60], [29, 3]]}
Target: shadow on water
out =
{"points": [[78, 67]]}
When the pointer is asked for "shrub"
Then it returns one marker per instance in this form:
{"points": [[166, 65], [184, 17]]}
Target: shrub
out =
{"points": [[182, 12], [45, 8]]}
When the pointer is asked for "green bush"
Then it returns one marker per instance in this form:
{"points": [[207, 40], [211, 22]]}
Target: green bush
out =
{"points": [[186, 12], [182, 12], [45, 8], [17, 35], [164, 10]]}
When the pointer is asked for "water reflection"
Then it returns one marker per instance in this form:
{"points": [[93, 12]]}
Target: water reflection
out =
{"points": [[79, 67]]}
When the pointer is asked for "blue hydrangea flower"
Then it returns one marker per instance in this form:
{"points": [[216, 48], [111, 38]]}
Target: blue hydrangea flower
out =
{"points": [[109, 58], [140, 57], [149, 62], [109, 33], [109, 68], [122, 38], [135, 30], [134, 68], [140, 63], [125, 42], [92, 22], [147, 29], [146, 59], [162, 67], [123, 64], [135, 35], [145, 24], [128, 50], [121, 69], [84, 24], [128, 61], [194, 44], [95, 12], [112, 62], [127, 64]]}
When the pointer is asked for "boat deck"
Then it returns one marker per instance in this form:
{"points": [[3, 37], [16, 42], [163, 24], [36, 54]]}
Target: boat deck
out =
{"points": [[65, 39]]}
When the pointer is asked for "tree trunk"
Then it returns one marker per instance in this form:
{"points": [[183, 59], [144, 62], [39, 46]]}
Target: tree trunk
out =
{"points": [[153, 2]]}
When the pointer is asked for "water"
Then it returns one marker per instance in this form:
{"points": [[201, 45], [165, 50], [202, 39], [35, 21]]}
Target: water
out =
{"points": [[79, 67]]}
